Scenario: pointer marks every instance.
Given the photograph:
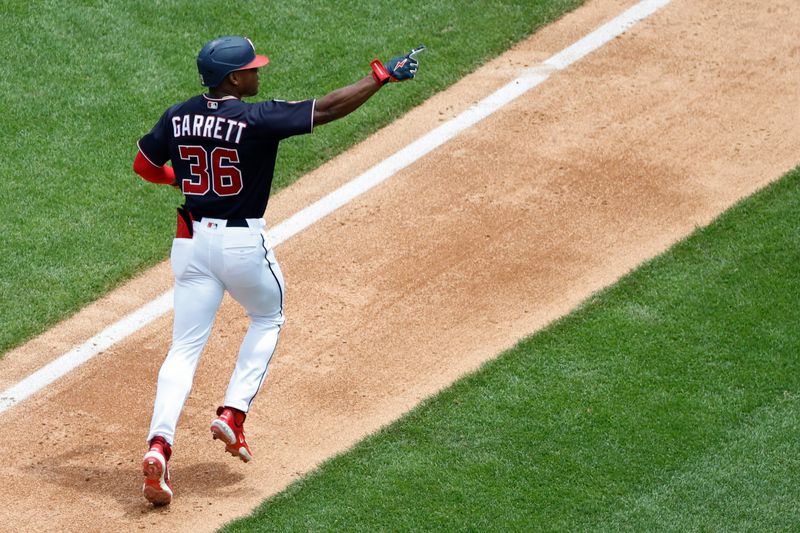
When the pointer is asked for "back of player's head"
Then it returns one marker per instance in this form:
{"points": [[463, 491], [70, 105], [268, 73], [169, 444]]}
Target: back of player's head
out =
{"points": [[223, 55]]}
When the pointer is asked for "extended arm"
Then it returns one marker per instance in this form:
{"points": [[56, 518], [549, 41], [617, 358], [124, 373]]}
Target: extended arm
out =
{"points": [[344, 101]]}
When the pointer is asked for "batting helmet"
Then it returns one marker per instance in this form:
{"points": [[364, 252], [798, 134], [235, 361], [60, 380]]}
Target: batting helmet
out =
{"points": [[220, 57]]}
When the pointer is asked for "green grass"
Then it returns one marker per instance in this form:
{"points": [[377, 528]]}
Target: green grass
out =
{"points": [[84, 80], [668, 402]]}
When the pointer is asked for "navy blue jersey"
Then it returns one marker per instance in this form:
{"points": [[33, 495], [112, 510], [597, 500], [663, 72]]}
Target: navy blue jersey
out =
{"points": [[223, 150]]}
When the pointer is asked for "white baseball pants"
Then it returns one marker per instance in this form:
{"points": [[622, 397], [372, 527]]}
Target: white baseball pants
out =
{"points": [[219, 258]]}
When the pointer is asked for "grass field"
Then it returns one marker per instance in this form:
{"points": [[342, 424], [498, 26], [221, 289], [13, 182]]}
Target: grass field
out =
{"points": [[86, 79], [668, 402]]}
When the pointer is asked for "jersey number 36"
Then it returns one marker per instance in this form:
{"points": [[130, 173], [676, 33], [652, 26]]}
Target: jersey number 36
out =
{"points": [[216, 171]]}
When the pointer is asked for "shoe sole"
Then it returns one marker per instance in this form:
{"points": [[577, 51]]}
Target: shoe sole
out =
{"points": [[222, 431], [155, 489]]}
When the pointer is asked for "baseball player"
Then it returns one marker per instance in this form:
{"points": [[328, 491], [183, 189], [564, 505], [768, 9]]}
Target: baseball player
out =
{"points": [[223, 153]]}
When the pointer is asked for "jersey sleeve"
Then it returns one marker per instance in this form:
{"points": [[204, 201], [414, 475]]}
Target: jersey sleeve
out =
{"points": [[280, 119], [155, 146]]}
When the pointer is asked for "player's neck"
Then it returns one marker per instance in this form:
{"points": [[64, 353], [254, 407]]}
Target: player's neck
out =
{"points": [[221, 92]]}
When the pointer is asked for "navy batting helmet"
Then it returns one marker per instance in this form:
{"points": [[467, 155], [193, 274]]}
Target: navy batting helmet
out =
{"points": [[220, 57]]}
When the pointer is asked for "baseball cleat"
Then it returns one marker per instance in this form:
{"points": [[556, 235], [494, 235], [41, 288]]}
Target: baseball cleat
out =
{"points": [[229, 428], [157, 488]]}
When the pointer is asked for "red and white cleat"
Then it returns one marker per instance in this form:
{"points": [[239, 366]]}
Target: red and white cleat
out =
{"points": [[157, 487], [229, 428]]}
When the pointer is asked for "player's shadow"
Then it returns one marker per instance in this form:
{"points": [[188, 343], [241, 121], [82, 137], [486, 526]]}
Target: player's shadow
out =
{"points": [[85, 471]]}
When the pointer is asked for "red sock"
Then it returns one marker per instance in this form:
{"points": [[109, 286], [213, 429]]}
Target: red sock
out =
{"points": [[164, 445]]}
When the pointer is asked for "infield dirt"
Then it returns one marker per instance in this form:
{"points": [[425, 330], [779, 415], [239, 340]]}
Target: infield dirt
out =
{"points": [[480, 243]]}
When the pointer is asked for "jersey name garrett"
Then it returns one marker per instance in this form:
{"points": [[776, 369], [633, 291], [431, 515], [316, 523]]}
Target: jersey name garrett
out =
{"points": [[208, 126]]}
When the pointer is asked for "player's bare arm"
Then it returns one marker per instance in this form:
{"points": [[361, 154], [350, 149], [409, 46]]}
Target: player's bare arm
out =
{"points": [[344, 101]]}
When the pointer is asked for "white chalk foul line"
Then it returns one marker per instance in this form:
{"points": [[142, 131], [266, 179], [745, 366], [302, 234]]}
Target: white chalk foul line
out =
{"points": [[528, 79]]}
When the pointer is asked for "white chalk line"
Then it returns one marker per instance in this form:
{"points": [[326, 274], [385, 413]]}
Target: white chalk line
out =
{"points": [[528, 79]]}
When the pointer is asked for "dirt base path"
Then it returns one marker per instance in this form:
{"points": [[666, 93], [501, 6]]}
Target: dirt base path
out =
{"points": [[482, 242]]}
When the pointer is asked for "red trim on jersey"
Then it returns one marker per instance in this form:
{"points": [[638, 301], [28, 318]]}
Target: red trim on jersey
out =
{"points": [[153, 173]]}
